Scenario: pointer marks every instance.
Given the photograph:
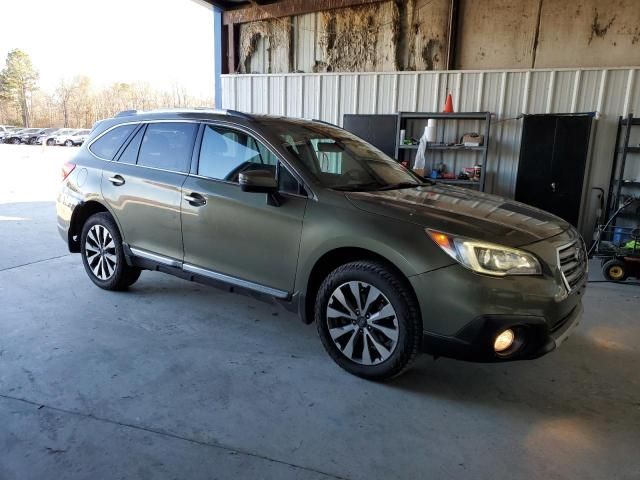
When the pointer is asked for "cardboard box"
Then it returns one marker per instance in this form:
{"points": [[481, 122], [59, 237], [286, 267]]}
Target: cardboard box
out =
{"points": [[472, 140]]}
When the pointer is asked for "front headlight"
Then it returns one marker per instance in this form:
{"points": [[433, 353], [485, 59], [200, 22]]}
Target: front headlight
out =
{"points": [[487, 258]]}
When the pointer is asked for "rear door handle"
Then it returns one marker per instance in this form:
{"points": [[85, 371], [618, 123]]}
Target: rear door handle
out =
{"points": [[117, 180], [195, 199]]}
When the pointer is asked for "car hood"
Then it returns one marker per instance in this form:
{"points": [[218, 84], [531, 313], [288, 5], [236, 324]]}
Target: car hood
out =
{"points": [[464, 212]]}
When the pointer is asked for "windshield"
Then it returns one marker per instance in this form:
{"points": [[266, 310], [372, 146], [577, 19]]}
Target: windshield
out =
{"points": [[340, 160]]}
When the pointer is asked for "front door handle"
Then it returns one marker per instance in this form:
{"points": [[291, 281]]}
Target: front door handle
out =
{"points": [[195, 199], [117, 180]]}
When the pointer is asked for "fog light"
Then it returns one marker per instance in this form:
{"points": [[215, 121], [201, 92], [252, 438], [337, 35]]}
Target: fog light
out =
{"points": [[504, 341]]}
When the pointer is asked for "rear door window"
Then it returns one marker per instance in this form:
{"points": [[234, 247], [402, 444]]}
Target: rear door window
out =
{"points": [[108, 144], [168, 146], [130, 153]]}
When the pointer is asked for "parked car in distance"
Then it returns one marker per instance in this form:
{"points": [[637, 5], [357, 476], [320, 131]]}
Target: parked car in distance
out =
{"points": [[20, 136], [79, 137], [7, 132], [386, 263], [50, 140], [64, 137], [41, 137]]}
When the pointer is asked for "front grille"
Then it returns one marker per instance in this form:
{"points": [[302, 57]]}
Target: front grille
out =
{"points": [[572, 261]]}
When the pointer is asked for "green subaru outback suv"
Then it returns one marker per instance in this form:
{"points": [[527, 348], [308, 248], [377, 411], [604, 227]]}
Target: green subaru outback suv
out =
{"points": [[386, 263]]}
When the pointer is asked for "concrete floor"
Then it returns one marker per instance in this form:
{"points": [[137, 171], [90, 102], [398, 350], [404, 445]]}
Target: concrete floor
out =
{"points": [[178, 380]]}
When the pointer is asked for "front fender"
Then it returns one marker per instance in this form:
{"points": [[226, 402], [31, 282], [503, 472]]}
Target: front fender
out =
{"points": [[328, 227]]}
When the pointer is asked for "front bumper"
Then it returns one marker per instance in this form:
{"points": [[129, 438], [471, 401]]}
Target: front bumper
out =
{"points": [[474, 342], [463, 312]]}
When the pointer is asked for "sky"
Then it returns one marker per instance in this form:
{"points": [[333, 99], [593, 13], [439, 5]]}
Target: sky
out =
{"points": [[161, 42]]}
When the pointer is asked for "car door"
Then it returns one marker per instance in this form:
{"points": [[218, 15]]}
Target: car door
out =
{"points": [[143, 188], [237, 236]]}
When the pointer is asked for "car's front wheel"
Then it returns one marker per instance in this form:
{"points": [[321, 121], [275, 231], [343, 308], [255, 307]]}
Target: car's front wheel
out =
{"points": [[51, 142], [368, 320], [68, 143], [103, 255]]}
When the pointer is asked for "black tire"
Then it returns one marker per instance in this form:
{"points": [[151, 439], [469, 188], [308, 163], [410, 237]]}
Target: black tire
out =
{"points": [[122, 276], [51, 142], [398, 292], [16, 141], [615, 270], [68, 143]]}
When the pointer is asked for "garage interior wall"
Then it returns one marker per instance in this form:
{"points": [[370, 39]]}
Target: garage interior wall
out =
{"points": [[413, 35], [507, 94]]}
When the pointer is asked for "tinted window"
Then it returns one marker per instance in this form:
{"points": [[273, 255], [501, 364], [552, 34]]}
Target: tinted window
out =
{"points": [[130, 154], [167, 146], [109, 143], [225, 153]]}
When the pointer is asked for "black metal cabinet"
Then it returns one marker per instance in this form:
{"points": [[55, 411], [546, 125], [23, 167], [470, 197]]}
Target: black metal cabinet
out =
{"points": [[553, 165]]}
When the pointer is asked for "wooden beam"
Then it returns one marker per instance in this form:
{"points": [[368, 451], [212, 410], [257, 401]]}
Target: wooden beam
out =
{"points": [[287, 8], [233, 48], [452, 33]]}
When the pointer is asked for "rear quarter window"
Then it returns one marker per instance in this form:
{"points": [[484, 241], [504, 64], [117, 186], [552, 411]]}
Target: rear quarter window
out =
{"points": [[108, 144]]}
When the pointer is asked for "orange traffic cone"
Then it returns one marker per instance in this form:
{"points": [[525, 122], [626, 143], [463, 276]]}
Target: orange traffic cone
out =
{"points": [[448, 105]]}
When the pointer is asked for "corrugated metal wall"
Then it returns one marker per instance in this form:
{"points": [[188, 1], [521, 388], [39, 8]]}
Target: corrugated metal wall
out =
{"points": [[507, 94]]}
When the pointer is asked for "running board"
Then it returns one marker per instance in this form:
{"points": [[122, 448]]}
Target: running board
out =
{"points": [[203, 272]]}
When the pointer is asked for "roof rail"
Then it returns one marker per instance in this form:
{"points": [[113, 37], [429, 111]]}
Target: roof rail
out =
{"points": [[317, 120], [236, 113], [126, 113]]}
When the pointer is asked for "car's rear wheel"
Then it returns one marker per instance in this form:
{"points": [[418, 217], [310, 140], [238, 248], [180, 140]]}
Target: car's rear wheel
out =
{"points": [[103, 255], [368, 320]]}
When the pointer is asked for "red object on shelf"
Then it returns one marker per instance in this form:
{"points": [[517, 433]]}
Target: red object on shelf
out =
{"points": [[448, 105]]}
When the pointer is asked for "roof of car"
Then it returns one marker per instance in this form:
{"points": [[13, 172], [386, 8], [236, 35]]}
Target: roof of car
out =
{"points": [[204, 114]]}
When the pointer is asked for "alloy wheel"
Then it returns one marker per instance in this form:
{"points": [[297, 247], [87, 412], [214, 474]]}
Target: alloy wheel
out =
{"points": [[100, 251], [362, 323]]}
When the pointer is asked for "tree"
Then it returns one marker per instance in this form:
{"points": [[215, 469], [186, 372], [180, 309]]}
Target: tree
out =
{"points": [[18, 80]]}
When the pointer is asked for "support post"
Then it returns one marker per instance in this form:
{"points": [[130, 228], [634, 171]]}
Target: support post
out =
{"points": [[217, 57]]}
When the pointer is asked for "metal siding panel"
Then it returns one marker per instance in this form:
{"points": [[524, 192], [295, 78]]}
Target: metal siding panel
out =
{"points": [[228, 93], [294, 95], [309, 102], [243, 95], [386, 93], [347, 95], [589, 87], [276, 93], [634, 104], [366, 102], [535, 91], [428, 92], [260, 93], [406, 90], [328, 105], [539, 90], [563, 92]]}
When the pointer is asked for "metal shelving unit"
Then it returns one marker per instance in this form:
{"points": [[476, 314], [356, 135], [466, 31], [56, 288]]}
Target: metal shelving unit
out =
{"points": [[404, 119], [621, 187]]}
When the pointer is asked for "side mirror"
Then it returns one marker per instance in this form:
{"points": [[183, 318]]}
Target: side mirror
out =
{"points": [[258, 181]]}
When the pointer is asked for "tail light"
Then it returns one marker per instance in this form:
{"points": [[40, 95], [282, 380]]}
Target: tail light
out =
{"points": [[67, 168]]}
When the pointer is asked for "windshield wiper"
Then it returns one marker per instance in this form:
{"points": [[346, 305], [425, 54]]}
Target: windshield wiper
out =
{"points": [[357, 187]]}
